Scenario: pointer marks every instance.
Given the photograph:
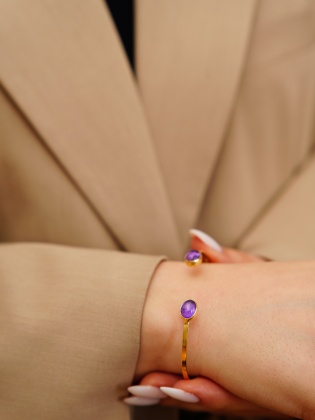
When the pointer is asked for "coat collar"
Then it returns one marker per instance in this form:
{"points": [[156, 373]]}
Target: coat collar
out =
{"points": [[64, 67], [190, 57]]}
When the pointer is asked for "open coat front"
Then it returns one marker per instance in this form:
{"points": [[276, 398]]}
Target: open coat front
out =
{"points": [[102, 174]]}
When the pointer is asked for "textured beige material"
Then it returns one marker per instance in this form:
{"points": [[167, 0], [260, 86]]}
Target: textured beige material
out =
{"points": [[189, 75], [97, 170]]}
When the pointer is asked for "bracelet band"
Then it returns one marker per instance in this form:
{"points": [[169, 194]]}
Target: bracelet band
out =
{"points": [[188, 310]]}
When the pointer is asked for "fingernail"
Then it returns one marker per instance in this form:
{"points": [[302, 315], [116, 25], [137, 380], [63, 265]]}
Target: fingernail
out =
{"points": [[206, 239], [147, 391], [141, 401], [180, 395]]}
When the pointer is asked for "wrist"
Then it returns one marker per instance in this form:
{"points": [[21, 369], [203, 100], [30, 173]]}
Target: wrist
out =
{"points": [[158, 330], [162, 325]]}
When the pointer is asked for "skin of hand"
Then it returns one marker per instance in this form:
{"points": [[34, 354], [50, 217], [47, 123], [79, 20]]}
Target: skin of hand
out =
{"points": [[253, 334], [212, 396]]}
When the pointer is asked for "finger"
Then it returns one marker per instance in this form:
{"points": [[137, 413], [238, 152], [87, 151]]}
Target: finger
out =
{"points": [[212, 254], [212, 397], [237, 256], [148, 392], [227, 255]]}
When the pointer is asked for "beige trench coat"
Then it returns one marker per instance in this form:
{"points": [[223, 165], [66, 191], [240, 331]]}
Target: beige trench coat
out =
{"points": [[100, 175]]}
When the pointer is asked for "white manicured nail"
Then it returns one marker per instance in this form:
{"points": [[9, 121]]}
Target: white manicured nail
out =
{"points": [[147, 391], [206, 239], [180, 395], [141, 401]]}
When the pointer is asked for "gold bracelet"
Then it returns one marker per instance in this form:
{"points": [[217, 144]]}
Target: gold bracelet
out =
{"points": [[188, 309]]}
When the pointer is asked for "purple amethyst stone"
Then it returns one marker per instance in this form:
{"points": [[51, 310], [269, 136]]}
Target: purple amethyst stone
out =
{"points": [[188, 309], [193, 255]]}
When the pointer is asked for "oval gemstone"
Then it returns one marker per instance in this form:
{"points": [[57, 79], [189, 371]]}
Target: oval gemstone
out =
{"points": [[193, 255], [188, 309]]}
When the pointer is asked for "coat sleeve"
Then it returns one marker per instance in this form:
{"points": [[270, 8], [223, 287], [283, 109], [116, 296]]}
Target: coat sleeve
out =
{"points": [[286, 228], [70, 330]]}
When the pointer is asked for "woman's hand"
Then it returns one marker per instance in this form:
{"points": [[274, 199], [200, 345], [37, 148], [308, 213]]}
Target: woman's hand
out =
{"points": [[212, 397], [253, 334]]}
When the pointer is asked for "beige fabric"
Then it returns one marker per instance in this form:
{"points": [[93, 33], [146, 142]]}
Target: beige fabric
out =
{"points": [[189, 75], [217, 133], [61, 355], [271, 132]]}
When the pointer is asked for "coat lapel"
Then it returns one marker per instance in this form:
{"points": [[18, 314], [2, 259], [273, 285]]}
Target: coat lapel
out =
{"points": [[190, 58], [63, 65]]}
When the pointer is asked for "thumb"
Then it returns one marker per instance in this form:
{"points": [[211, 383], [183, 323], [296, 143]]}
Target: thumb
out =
{"points": [[215, 253], [208, 246]]}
